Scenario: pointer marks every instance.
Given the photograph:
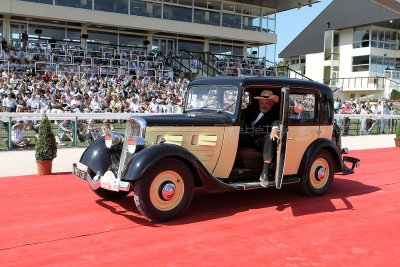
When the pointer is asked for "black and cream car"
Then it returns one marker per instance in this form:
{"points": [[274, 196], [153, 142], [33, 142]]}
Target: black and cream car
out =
{"points": [[163, 158]]}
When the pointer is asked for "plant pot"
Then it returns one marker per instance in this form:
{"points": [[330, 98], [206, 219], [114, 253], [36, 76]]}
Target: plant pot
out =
{"points": [[44, 167], [397, 142]]}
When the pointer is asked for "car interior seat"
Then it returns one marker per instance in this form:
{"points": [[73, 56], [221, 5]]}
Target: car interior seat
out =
{"points": [[249, 157]]}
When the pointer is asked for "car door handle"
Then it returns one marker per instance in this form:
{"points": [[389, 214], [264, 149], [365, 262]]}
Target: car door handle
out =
{"points": [[290, 138]]}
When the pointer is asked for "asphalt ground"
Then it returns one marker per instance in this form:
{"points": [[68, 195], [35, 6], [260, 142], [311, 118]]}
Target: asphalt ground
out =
{"points": [[22, 162]]}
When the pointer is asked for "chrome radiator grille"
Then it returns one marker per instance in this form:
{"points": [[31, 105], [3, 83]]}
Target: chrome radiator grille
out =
{"points": [[135, 126]]}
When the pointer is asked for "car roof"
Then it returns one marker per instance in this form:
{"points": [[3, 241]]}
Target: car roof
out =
{"points": [[243, 82]]}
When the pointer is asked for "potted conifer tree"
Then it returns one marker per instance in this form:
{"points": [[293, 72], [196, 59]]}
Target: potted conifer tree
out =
{"points": [[46, 147], [397, 138]]}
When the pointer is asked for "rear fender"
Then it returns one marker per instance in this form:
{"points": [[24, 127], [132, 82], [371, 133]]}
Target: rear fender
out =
{"points": [[336, 136], [97, 156], [315, 147]]}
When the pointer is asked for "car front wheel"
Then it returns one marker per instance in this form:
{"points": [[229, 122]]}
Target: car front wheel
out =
{"points": [[318, 175], [165, 192]]}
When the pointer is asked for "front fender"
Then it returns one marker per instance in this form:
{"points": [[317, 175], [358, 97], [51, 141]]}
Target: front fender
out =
{"points": [[97, 156], [318, 145], [336, 136], [148, 157]]}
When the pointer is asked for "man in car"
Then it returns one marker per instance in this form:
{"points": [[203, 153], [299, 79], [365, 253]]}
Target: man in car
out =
{"points": [[260, 125]]}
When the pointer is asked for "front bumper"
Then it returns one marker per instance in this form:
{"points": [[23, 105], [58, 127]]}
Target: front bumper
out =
{"points": [[108, 181]]}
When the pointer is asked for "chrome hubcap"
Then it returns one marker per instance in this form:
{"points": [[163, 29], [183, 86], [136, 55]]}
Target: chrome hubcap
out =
{"points": [[320, 173], [168, 191]]}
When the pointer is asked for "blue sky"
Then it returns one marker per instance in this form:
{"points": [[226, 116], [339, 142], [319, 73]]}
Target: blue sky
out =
{"points": [[291, 23]]}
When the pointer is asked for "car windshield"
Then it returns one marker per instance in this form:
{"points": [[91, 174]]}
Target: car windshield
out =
{"points": [[218, 98]]}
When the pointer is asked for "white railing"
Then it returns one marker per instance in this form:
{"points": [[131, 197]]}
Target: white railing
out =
{"points": [[7, 119], [13, 116]]}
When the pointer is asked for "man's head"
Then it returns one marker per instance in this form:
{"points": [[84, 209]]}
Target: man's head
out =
{"points": [[266, 100]]}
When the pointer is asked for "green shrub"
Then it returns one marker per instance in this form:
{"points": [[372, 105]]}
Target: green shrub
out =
{"points": [[395, 95], [46, 145], [398, 130]]}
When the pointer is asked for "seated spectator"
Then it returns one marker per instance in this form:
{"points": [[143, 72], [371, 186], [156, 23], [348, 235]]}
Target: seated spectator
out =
{"points": [[33, 103], [9, 103], [144, 106], [18, 138], [92, 131], [65, 132], [134, 106], [76, 103], [21, 103], [124, 105], [86, 105], [106, 127], [154, 106], [65, 106], [95, 104], [55, 105], [81, 129], [115, 104], [43, 104]]}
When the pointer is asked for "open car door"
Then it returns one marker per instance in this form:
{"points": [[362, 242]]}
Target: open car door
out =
{"points": [[283, 129]]}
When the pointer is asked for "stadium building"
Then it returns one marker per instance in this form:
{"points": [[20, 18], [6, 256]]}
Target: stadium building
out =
{"points": [[354, 46], [236, 28]]}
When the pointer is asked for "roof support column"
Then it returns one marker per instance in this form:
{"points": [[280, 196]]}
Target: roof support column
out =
{"points": [[245, 50], [84, 35], [206, 45], [149, 42], [6, 28]]}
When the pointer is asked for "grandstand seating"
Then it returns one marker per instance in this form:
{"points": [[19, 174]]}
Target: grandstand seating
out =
{"points": [[65, 58]]}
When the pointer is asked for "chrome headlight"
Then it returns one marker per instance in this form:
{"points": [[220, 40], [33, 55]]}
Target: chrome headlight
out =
{"points": [[112, 138], [134, 143]]}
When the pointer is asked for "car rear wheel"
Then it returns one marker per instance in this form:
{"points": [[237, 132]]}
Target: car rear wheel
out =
{"points": [[318, 175], [165, 192], [107, 194]]}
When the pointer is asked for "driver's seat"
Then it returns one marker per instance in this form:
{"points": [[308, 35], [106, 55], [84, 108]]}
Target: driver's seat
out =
{"points": [[249, 158]]}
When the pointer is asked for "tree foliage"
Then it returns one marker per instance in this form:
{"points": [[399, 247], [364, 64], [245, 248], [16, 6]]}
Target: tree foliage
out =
{"points": [[46, 145], [395, 95], [398, 130]]}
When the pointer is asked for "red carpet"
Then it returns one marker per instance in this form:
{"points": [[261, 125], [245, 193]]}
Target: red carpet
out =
{"points": [[57, 221]]}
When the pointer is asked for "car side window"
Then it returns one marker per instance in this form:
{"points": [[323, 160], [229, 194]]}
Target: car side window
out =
{"points": [[302, 107], [245, 100], [230, 99]]}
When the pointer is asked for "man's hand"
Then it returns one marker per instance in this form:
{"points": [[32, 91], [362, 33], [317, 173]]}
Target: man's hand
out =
{"points": [[274, 134]]}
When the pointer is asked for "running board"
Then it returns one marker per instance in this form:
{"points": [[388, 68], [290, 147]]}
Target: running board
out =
{"points": [[256, 185]]}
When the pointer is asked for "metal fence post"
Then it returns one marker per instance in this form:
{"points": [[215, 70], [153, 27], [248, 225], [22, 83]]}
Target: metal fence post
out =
{"points": [[9, 133], [74, 134]]}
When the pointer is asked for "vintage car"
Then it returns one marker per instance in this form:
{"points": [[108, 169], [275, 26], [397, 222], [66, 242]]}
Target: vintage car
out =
{"points": [[163, 158]]}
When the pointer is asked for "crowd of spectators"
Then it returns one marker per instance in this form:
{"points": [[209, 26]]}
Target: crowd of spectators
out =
{"points": [[24, 92], [23, 88], [379, 107]]}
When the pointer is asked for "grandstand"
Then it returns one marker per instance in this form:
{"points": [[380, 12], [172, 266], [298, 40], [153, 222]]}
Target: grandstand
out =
{"points": [[161, 38]]}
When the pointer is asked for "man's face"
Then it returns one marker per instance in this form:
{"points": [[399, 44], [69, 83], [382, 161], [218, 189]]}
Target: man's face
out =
{"points": [[266, 105]]}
